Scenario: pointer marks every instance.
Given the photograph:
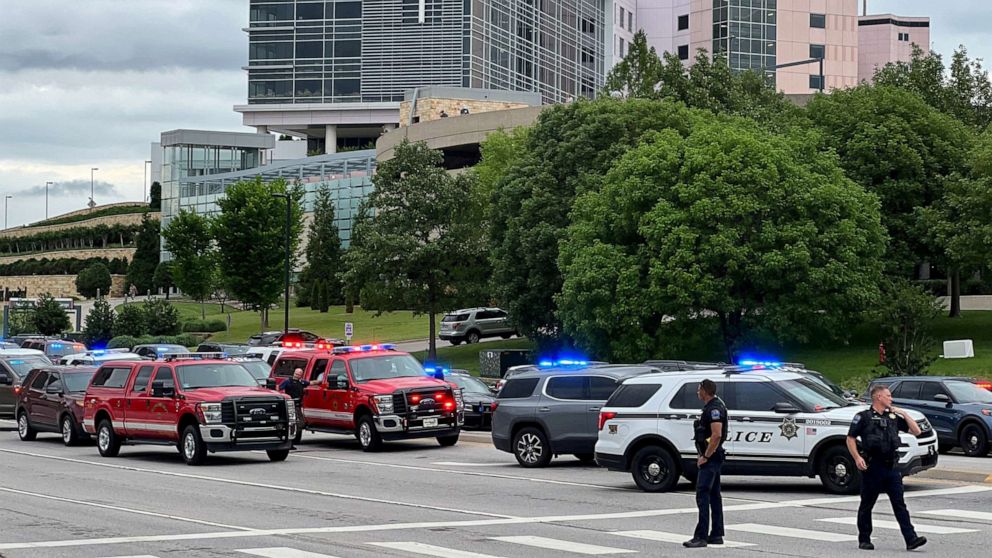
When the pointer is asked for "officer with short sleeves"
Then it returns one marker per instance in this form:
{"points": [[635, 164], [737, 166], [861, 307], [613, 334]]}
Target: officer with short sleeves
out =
{"points": [[710, 432], [879, 427]]}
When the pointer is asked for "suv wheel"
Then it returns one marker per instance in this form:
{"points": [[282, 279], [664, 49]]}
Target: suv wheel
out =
{"points": [[506, 335], [367, 435], [447, 441], [455, 340], [654, 469], [277, 455], [531, 448], [974, 441], [107, 441], [24, 429], [837, 471], [193, 449], [472, 337], [70, 434]]}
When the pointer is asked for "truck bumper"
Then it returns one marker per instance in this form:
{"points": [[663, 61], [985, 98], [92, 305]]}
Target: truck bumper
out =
{"points": [[395, 427], [918, 464], [610, 461], [219, 437]]}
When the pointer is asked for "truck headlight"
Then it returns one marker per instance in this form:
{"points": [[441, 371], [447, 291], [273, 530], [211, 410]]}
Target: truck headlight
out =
{"points": [[290, 410], [384, 403], [211, 412], [459, 399]]}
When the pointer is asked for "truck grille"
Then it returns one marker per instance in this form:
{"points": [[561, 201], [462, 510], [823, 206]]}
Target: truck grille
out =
{"points": [[257, 410], [399, 403]]}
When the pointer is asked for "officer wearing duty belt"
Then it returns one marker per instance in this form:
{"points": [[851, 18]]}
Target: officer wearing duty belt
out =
{"points": [[879, 427], [709, 433]]}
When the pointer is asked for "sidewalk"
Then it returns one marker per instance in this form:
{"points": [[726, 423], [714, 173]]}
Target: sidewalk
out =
{"points": [[956, 467]]}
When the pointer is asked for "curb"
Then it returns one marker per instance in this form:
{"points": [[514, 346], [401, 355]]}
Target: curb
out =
{"points": [[953, 475]]}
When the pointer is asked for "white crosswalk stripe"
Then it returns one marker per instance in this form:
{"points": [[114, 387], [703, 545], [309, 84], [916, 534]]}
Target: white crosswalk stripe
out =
{"points": [[790, 532], [966, 515], [920, 528], [282, 552], [662, 536], [430, 550], [566, 546], [135, 556]]}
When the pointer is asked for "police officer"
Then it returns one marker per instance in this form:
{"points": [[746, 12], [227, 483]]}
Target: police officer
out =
{"points": [[879, 427], [710, 432], [293, 387]]}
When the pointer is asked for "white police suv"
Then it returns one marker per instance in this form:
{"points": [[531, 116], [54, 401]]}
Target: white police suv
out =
{"points": [[782, 423]]}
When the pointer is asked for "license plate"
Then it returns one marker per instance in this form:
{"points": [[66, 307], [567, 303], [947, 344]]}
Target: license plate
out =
{"points": [[430, 422]]}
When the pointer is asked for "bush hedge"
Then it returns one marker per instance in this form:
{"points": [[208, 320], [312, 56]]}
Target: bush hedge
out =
{"points": [[105, 212], [204, 326], [130, 341], [61, 266]]}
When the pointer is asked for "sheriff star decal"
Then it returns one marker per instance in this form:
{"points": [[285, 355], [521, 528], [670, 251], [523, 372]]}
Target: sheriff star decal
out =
{"points": [[789, 428]]}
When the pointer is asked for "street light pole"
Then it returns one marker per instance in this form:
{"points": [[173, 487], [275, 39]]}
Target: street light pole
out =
{"points": [[289, 217], [144, 185], [5, 198], [92, 201], [47, 184]]}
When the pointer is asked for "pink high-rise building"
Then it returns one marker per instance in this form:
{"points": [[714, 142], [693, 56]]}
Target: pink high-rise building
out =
{"points": [[887, 38]]}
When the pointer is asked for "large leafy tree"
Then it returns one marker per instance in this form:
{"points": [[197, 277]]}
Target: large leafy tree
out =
{"points": [[417, 244], [155, 195], [250, 236], [99, 328], [760, 231], [141, 271], [638, 73], [323, 253], [188, 237]]}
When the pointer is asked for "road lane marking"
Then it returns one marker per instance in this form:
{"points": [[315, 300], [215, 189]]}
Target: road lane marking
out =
{"points": [[566, 546], [126, 510], [661, 536], [134, 556], [464, 464], [792, 532], [281, 488], [935, 529], [282, 552], [430, 550], [966, 515]]}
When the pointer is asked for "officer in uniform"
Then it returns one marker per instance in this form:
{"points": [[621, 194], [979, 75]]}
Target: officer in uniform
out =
{"points": [[879, 427], [709, 433], [293, 387]]}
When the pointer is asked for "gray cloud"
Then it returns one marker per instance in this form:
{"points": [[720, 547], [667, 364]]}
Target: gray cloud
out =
{"points": [[72, 188]]}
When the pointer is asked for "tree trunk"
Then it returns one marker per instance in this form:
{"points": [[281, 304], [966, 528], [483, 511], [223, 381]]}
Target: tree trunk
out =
{"points": [[432, 343], [349, 304], [203, 310], [955, 280]]}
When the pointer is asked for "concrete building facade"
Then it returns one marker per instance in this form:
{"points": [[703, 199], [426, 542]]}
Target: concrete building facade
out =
{"points": [[886, 38]]}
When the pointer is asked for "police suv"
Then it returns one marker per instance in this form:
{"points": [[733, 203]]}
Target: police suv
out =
{"points": [[782, 423]]}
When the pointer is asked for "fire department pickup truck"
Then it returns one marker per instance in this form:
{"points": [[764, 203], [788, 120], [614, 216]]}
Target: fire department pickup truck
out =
{"points": [[196, 402], [375, 393]]}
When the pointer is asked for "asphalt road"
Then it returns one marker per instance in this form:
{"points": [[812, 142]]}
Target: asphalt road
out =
{"points": [[418, 499]]}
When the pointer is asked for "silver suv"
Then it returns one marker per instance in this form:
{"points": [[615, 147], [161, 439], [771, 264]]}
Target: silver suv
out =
{"points": [[472, 324]]}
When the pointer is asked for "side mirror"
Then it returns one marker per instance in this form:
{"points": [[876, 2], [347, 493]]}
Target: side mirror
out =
{"points": [[337, 382], [942, 397], [785, 408], [159, 389], [269, 383], [6, 381]]}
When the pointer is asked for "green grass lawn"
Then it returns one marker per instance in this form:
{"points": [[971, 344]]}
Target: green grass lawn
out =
{"points": [[467, 356]]}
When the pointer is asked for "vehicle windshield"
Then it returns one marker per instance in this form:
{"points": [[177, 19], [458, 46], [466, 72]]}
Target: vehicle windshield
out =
{"points": [[259, 369], [812, 394], [196, 376], [76, 382], [967, 392], [385, 367], [469, 384], [823, 381], [21, 366], [63, 349]]}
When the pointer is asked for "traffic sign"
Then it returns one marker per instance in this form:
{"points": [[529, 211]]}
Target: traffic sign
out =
{"points": [[349, 330]]}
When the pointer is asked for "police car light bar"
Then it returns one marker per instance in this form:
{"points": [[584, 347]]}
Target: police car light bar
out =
{"points": [[169, 357], [364, 348]]}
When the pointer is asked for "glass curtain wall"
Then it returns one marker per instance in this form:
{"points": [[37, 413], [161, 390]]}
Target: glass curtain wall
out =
{"points": [[744, 31]]}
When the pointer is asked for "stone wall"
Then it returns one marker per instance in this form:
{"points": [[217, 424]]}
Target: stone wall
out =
{"points": [[125, 219], [56, 285], [109, 253], [430, 108]]}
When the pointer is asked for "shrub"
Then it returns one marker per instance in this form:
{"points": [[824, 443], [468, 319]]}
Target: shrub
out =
{"points": [[99, 327], [123, 342], [204, 326], [906, 315], [49, 318], [129, 341], [130, 320], [20, 322], [161, 318], [92, 280]]}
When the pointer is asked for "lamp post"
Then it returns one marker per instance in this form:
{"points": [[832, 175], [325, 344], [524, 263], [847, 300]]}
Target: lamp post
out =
{"points": [[289, 217], [144, 185], [47, 184], [92, 201], [5, 198]]}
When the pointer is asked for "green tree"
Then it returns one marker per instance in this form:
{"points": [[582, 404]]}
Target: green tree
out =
{"points": [[315, 290], [194, 268], [163, 278], [417, 244], [141, 271], [250, 235], [161, 318], [761, 231], [323, 294], [907, 314], [94, 279], [155, 194], [638, 74], [131, 320], [323, 252], [99, 328], [49, 318]]}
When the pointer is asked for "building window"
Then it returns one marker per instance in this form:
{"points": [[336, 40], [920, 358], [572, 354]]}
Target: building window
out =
{"points": [[818, 21], [817, 51], [630, 21], [683, 52], [621, 47], [904, 37], [814, 82], [683, 22], [622, 16]]}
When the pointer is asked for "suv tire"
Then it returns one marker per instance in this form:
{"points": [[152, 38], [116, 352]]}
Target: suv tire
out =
{"points": [[192, 448], [368, 436], [837, 471], [24, 429], [531, 448], [472, 337], [70, 433], [654, 469], [277, 455], [506, 335], [447, 441], [455, 340], [974, 441], [107, 441]]}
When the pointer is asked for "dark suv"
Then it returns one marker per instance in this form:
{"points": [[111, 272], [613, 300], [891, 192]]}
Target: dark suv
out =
{"points": [[555, 410], [54, 349], [15, 364], [52, 401], [959, 409], [267, 338]]}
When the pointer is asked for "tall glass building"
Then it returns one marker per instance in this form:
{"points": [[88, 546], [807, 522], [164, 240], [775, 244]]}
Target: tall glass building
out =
{"points": [[335, 71]]}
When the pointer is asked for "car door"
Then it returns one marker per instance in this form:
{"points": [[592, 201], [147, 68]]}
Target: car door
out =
{"points": [[484, 322], [163, 412], [681, 412], [8, 399], [758, 433], [336, 401], [943, 419], [564, 410], [34, 398], [907, 394], [138, 403], [51, 401]]}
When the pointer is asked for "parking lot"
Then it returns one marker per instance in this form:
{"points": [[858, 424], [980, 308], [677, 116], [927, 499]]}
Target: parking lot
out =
{"points": [[418, 499]]}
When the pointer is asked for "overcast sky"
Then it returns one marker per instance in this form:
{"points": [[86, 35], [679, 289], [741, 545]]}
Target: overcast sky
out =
{"points": [[91, 83]]}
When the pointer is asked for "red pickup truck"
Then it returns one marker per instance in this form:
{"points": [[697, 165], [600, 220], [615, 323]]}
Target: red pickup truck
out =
{"points": [[197, 404], [375, 393]]}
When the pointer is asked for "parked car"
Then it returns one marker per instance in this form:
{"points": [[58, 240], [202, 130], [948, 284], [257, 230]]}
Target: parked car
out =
{"points": [[554, 410], [478, 398], [52, 401], [232, 349], [269, 354], [157, 350], [54, 349], [99, 356], [9, 345], [472, 324], [959, 409], [272, 337], [15, 364]]}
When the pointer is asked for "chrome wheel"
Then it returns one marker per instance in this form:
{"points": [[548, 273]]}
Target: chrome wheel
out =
{"points": [[365, 435], [67, 430], [22, 426], [103, 439], [529, 448], [653, 470], [189, 446]]}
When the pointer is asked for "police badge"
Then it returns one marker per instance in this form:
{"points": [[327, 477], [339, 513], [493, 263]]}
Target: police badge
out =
{"points": [[789, 428]]}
